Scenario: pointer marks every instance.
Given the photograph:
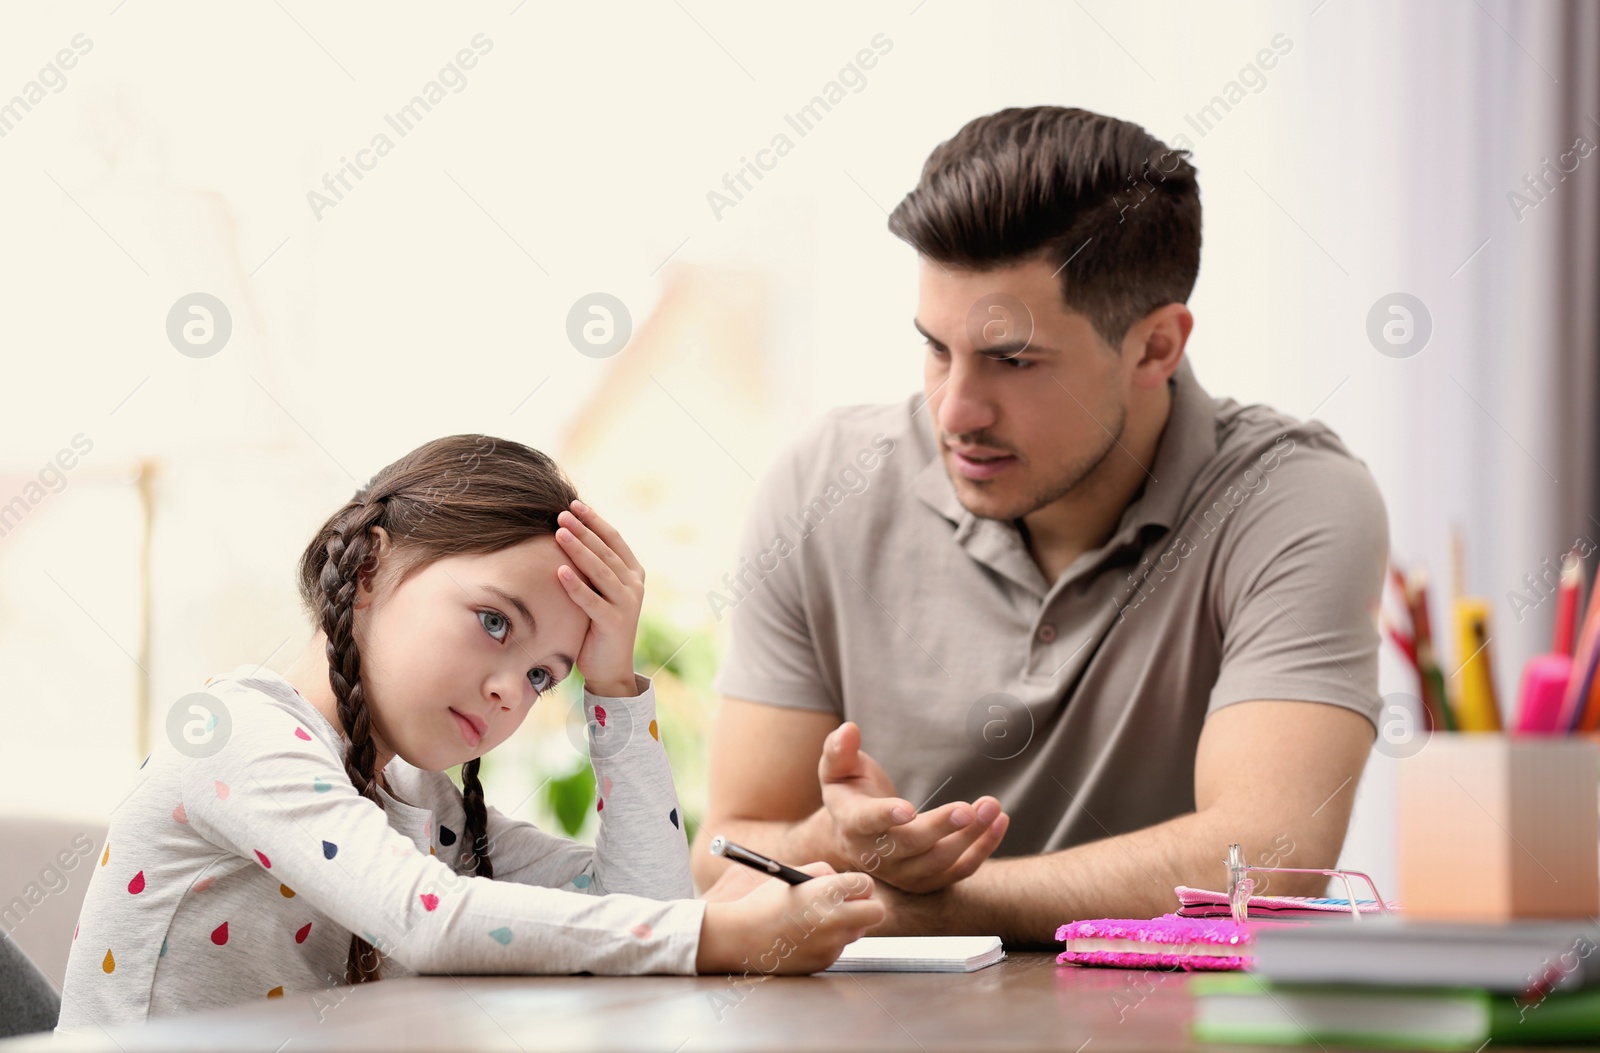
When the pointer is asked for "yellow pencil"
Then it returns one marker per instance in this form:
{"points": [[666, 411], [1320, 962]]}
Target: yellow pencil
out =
{"points": [[1476, 708]]}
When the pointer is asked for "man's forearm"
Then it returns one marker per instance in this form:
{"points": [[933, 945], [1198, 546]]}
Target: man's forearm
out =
{"points": [[795, 843], [1025, 899]]}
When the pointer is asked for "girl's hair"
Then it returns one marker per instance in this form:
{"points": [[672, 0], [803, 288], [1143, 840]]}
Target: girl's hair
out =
{"points": [[462, 494]]}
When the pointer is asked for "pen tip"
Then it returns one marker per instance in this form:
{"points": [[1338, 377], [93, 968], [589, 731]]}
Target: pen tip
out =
{"points": [[718, 845]]}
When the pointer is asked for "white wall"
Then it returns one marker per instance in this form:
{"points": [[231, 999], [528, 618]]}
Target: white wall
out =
{"points": [[1374, 158]]}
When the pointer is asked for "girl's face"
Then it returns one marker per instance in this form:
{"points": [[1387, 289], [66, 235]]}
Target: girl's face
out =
{"points": [[454, 657]]}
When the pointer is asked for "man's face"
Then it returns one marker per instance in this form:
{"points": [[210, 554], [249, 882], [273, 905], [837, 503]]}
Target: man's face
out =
{"points": [[1024, 398]]}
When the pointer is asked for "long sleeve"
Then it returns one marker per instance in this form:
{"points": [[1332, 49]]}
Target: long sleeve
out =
{"points": [[640, 848], [278, 797]]}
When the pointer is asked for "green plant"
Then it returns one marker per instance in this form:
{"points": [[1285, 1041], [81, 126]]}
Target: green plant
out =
{"points": [[662, 647], [570, 798], [679, 662]]}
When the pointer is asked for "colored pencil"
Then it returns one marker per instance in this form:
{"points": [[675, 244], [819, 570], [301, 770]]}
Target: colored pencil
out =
{"points": [[1567, 603], [1583, 667], [1435, 700], [1476, 708]]}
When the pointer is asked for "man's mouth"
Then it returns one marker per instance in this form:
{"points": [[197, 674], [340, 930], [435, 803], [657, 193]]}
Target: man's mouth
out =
{"points": [[979, 463]]}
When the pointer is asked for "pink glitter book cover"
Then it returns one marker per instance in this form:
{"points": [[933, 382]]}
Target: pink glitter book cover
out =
{"points": [[1167, 942]]}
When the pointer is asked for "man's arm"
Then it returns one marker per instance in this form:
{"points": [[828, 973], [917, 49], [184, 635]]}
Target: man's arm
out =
{"points": [[795, 785], [762, 785], [1278, 778]]}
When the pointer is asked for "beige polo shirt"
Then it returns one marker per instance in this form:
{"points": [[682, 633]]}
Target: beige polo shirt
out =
{"points": [[1248, 568]]}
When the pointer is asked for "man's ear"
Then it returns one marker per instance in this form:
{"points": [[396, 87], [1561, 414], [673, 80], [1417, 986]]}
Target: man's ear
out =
{"points": [[1154, 344]]}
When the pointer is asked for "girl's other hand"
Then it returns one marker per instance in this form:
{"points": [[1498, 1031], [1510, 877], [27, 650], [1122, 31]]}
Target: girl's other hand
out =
{"points": [[610, 591], [788, 929]]}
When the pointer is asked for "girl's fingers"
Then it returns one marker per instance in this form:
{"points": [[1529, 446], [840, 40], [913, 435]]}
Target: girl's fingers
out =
{"points": [[594, 542], [585, 597], [608, 533], [603, 577]]}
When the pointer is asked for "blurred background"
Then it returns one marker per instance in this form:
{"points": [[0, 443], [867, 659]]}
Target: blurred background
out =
{"points": [[359, 273]]}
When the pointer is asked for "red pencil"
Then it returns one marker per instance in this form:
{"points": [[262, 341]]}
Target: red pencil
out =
{"points": [[1404, 644], [1567, 603], [1583, 668], [1435, 702]]}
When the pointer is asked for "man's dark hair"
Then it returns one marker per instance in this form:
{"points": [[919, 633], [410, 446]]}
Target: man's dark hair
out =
{"points": [[1063, 184]]}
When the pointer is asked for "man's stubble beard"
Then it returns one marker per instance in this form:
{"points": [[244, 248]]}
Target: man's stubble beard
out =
{"points": [[1052, 490]]}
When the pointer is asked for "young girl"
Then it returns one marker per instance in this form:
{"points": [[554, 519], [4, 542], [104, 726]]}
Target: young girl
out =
{"points": [[296, 832]]}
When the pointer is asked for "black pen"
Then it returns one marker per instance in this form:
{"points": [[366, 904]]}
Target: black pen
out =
{"points": [[721, 846]]}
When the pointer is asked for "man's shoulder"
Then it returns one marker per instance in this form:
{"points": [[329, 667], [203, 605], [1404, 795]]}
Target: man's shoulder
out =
{"points": [[1249, 433], [1278, 468], [1244, 428], [887, 440]]}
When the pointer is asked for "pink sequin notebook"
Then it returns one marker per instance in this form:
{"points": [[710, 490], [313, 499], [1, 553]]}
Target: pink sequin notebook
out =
{"points": [[1167, 942]]}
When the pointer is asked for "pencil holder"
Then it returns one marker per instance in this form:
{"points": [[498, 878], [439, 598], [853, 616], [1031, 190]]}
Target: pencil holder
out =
{"points": [[1492, 828]]}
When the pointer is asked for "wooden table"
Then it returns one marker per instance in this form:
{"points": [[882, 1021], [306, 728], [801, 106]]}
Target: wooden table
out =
{"points": [[1024, 1003]]}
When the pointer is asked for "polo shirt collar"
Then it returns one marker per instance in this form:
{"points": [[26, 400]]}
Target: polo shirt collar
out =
{"points": [[1188, 442]]}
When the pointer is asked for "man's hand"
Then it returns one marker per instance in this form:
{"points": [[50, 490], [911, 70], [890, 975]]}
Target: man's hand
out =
{"points": [[881, 833]]}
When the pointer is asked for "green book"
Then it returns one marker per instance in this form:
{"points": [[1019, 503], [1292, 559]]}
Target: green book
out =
{"points": [[1240, 1007]]}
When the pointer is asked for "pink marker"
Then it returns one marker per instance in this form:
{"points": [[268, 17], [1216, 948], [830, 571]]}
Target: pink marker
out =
{"points": [[1544, 686]]}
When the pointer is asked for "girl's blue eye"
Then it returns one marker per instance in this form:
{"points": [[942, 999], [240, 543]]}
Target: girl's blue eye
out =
{"points": [[541, 679], [505, 626]]}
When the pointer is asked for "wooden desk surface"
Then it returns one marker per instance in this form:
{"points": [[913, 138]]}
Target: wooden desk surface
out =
{"points": [[1024, 1003]]}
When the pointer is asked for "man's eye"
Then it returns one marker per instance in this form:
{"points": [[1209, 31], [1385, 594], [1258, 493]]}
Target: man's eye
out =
{"points": [[541, 685], [1011, 361], [497, 624]]}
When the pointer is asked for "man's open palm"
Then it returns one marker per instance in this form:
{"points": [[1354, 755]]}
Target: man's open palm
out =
{"points": [[881, 833]]}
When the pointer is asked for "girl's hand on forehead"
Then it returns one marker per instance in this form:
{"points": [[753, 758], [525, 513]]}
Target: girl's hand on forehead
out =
{"points": [[611, 597]]}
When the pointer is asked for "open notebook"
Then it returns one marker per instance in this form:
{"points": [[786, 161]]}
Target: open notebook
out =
{"points": [[919, 954]]}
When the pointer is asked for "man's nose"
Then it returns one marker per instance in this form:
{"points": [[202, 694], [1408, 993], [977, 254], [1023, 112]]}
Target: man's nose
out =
{"points": [[965, 406]]}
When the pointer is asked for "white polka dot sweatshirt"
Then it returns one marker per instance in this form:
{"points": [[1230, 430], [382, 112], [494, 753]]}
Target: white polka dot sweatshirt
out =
{"points": [[241, 863]]}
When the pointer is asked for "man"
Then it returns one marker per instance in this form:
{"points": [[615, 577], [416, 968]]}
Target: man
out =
{"points": [[1041, 642]]}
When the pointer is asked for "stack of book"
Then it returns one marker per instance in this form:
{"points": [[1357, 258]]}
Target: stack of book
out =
{"points": [[1392, 982]]}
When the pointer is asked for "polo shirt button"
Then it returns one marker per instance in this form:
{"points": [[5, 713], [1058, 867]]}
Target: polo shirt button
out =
{"points": [[1047, 632]]}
